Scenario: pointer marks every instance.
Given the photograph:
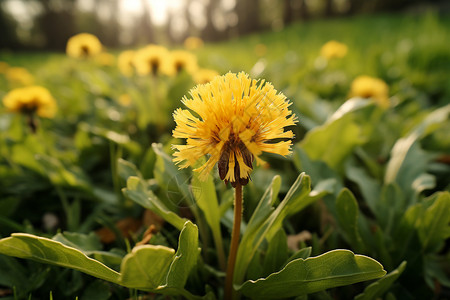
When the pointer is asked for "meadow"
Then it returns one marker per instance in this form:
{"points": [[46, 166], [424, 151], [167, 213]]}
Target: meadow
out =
{"points": [[92, 205]]}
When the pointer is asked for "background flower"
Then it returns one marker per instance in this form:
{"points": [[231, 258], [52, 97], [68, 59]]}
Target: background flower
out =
{"points": [[370, 87], [83, 45], [32, 99]]}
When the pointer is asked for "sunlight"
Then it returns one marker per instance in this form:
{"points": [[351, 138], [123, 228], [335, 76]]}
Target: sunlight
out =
{"points": [[159, 9]]}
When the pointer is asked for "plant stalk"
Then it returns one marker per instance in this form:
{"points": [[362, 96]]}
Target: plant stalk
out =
{"points": [[235, 234]]}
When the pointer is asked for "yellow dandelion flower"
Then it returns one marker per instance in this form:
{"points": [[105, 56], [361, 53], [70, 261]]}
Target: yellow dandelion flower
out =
{"points": [[183, 61], [105, 59], [3, 67], [125, 62], [234, 120], [193, 42], [125, 99], [19, 75], [83, 45], [333, 49], [153, 59], [370, 87], [30, 100], [203, 76]]}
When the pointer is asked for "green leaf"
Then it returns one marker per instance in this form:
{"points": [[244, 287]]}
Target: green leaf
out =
{"points": [[160, 269], [137, 191], [45, 250], [379, 287], [302, 253], [168, 174], [266, 221], [434, 226], [205, 194], [333, 142], [146, 267], [276, 254], [185, 258], [347, 215], [370, 187], [90, 245], [300, 277], [83, 242], [126, 169], [408, 161]]}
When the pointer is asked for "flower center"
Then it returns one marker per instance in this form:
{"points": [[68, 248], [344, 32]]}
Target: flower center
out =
{"points": [[154, 66], [232, 148]]}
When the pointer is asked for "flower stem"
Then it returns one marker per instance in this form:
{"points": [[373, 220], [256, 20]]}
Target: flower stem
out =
{"points": [[235, 234]]}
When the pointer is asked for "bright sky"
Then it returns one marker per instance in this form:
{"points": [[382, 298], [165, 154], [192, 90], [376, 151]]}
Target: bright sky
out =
{"points": [[159, 8]]}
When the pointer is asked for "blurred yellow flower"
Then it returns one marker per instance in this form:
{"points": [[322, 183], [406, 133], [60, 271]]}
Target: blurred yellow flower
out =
{"points": [[193, 42], [370, 87], [30, 100], [105, 59], [125, 99], [183, 61], [202, 76], [3, 67], [125, 62], [235, 119], [153, 59], [333, 49], [83, 45], [19, 75]]}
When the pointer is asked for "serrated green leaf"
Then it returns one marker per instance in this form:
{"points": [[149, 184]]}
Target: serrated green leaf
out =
{"points": [[45, 250], [300, 277], [137, 191], [379, 287]]}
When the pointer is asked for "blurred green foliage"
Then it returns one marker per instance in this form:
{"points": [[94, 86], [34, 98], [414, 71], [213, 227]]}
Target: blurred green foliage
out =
{"points": [[377, 179]]}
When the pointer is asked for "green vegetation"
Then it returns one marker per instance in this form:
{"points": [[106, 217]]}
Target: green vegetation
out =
{"points": [[88, 186]]}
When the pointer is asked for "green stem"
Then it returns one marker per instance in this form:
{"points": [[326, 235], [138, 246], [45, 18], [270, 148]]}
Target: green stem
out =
{"points": [[235, 234]]}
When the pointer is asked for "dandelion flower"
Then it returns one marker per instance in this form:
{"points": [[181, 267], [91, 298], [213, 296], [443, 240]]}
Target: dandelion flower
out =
{"points": [[83, 45], [203, 76], [153, 59], [125, 99], [333, 49], [233, 120], [183, 61], [30, 100], [193, 42], [125, 62], [370, 87], [19, 75]]}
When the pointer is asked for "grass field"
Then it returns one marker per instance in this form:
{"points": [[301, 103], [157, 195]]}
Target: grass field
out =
{"points": [[99, 173]]}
